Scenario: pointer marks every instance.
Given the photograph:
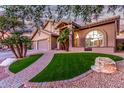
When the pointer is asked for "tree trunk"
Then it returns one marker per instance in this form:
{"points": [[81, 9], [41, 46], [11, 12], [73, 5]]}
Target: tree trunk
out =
{"points": [[64, 47], [25, 50], [13, 50], [14, 29], [67, 45], [21, 49], [2, 35], [18, 51]]}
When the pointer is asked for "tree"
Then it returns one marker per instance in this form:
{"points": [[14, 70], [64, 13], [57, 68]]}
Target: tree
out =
{"points": [[63, 39], [63, 11], [36, 15], [32, 13], [15, 40], [86, 12], [18, 44], [7, 25], [3, 26], [97, 10], [112, 8], [17, 16]]}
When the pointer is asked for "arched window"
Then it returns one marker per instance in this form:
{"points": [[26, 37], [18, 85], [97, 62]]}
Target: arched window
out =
{"points": [[94, 39]]}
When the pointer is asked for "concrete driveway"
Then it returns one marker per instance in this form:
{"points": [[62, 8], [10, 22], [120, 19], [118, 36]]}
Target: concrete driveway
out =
{"points": [[6, 54]]}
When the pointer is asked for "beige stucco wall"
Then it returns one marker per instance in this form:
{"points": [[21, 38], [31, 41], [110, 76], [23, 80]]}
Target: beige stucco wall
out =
{"points": [[40, 35], [34, 45], [108, 31], [50, 26], [120, 36], [53, 42]]}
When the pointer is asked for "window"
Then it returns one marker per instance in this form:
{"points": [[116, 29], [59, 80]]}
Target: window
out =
{"points": [[94, 39]]}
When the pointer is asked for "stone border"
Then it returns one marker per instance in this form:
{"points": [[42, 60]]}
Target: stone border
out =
{"points": [[8, 71], [35, 84]]}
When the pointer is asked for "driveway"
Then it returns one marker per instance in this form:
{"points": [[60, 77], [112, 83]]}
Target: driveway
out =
{"points": [[6, 54]]}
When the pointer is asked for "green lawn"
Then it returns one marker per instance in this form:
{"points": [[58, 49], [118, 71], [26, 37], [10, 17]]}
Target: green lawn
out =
{"points": [[68, 65], [23, 63]]}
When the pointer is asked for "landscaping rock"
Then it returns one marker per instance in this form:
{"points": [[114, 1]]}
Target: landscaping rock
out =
{"points": [[120, 66], [104, 65]]}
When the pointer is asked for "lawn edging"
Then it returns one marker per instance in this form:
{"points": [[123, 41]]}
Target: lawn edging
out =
{"points": [[43, 84]]}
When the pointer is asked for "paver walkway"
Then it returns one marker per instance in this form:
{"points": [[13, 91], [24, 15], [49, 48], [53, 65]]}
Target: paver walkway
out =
{"points": [[25, 75]]}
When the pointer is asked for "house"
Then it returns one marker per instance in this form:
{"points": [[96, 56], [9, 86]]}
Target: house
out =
{"points": [[46, 38], [120, 38], [101, 36]]}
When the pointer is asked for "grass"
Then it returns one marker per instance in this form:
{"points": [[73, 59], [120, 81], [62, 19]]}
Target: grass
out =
{"points": [[68, 65], [23, 63]]}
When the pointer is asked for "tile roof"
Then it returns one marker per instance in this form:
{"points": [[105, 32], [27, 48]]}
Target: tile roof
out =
{"points": [[102, 22]]}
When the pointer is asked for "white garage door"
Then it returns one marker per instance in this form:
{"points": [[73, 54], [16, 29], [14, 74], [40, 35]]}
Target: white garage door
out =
{"points": [[43, 45], [34, 45]]}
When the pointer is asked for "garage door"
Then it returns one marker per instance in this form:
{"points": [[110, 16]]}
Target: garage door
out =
{"points": [[34, 45], [43, 45]]}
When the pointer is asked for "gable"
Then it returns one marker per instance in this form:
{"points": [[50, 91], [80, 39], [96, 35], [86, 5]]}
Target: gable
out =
{"points": [[40, 35], [50, 26]]}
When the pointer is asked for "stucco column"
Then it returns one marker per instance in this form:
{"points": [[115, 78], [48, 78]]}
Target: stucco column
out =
{"points": [[58, 45], [36, 45], [70, 36], [70, 41]]}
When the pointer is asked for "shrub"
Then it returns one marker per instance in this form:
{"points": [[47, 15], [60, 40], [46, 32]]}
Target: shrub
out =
{"points": [[120, 47]]}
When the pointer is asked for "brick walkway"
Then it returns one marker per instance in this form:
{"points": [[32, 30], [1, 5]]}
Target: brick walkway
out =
{"points": [[24, 76]]}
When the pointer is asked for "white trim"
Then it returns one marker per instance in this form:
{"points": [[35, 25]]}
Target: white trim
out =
{"points": [[36, 45]]}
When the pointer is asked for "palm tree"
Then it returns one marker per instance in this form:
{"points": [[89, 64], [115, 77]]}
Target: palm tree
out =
{"points": [[63, 39]]}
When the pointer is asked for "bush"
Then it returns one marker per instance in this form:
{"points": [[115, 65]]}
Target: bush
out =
{"points": [[120, 47]]}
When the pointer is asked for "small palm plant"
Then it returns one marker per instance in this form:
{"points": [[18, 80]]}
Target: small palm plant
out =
{"points": [[63, 39], [17, 43]]}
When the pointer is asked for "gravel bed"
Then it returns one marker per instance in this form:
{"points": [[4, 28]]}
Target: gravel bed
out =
{"points": [[91, 80]]}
